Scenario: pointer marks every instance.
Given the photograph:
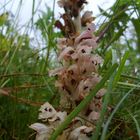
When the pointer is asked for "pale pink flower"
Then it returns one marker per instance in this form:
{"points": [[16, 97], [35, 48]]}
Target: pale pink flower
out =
{"points": [[86, 64], [87, 18], [57, 71], [97, 59], [81, 133], [61, 43], [46, 112], [66, 53], [100, 93], [96, 104], [94, 116], [43, 131], [57, 119], [89, 42], [83, 49], [87, 34], [73, 73], [61, 3], [85, 86], [77, 76]]}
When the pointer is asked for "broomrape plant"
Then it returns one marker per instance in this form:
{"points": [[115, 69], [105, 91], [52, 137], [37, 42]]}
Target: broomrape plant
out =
{"points": [[75, 78]]}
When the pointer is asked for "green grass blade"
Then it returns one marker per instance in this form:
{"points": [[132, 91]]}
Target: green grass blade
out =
{"points": [[113, 113], [137, 124], [104, 108], [33, 11], [78, 109], [113, 80], [120, 68]]}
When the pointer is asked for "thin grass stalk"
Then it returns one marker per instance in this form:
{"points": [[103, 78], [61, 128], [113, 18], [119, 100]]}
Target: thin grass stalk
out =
{"points": [[113, 81], [33, 10], [136, 123], [104, 108], [118, 74], [103, 136]]}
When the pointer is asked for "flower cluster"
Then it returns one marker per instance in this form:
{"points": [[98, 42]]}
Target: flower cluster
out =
{"points": [[51, 118], [77, 76]]}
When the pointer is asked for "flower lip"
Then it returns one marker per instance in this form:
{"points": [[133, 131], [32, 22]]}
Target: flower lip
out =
{"points": [[86, 37]]}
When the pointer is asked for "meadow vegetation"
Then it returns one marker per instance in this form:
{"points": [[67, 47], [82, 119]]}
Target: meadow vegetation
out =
{"points": [[25, 62]]}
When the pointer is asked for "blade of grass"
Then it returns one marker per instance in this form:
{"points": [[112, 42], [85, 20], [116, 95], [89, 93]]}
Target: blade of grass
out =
{"points": [[113, 113], [136, 123], [130, 77], [112, 131], [4, 5], [78, 109], [118, 74], [104, 108], [112, 82], [128, 84], [33, 10]]}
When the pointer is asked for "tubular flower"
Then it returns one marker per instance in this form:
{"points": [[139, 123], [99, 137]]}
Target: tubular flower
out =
{"points": [[77, 76]]}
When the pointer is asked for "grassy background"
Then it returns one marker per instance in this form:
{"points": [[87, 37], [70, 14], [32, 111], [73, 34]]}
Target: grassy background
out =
{"points": [[24, 80]]}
